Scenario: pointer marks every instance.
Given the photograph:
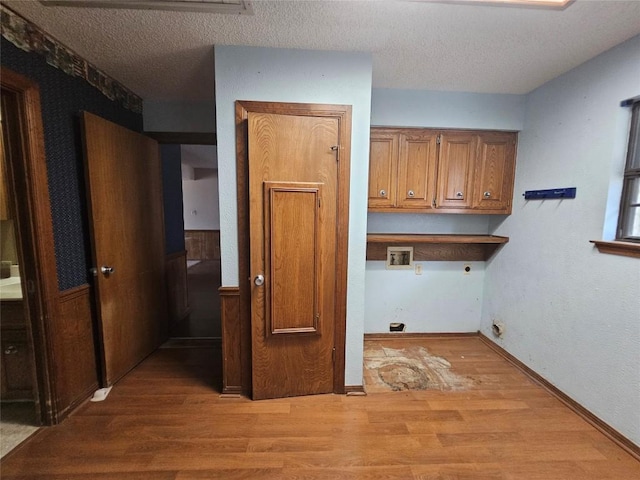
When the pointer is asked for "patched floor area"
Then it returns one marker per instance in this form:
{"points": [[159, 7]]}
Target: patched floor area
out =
{"points": [[410, 368]]}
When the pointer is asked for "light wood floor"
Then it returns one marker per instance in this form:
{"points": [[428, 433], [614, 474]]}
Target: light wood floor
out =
{"points": [[165, 421]]}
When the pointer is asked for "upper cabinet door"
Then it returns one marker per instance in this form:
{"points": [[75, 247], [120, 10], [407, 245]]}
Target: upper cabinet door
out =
{"points": [[383, 167], [455, 169], [494, 171], [417, 170]]}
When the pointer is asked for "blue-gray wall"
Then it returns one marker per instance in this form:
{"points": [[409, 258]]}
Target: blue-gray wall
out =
{"points": [[172, 196]]}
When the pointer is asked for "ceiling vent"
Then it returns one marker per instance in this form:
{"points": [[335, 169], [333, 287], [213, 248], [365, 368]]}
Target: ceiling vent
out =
{"points": [[229, 7]]}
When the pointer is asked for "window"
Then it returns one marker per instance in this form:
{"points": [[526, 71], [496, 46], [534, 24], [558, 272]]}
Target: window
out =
{"points": [[629, 217]]}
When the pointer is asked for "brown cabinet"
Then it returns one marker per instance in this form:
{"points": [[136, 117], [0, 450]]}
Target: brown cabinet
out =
{"points": [[383, 169], [495, 168], [15, 372], [441, 171], [402, 170]]}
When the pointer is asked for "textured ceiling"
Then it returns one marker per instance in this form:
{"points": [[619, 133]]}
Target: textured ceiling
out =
{"points": [[167, 56]]}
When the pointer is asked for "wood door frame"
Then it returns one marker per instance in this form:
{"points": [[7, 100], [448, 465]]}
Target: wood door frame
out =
{"points": [[343, 114], [38, 249]]}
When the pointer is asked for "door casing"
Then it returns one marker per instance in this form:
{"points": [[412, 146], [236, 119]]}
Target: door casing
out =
{"points": [[343, 114], [29, 177]]}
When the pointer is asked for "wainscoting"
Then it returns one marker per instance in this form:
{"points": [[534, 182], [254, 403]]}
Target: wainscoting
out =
{"points": [[74, 369], [231, 334], [202, 244]]}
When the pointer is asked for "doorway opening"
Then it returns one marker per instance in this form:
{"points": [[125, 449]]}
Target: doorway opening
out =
{"points": [[192, 232]]}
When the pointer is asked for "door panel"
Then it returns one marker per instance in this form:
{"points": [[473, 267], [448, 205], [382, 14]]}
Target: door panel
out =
{"points": [[494, 174], [292, 214], [124, 185], [457, 156], [291, 260], [383, 169], [417, 170]]}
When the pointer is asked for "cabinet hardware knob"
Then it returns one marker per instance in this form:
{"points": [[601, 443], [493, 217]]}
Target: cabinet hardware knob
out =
{"points": [[411, 193], [487, 194], [383, 193], [11, 350], [259, 280], [459, 194]]}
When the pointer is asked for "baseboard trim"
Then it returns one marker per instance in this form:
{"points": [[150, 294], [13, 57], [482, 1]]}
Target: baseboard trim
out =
{"points": [[408, 335], [611, 433], [354, 390], [231, 392]]}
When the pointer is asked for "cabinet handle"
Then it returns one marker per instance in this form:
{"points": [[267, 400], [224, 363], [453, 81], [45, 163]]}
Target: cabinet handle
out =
{"points": [[11, 350], [383, 193], [487, 194], [459, 194], [410, 193]]}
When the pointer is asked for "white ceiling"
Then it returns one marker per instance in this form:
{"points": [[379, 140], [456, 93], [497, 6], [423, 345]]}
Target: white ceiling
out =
{"points": [[168, 56]]}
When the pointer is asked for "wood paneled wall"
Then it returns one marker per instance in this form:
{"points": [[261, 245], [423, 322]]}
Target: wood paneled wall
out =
{"points": [[231, 341], [202, 244], [177, 292], [72, 337]]}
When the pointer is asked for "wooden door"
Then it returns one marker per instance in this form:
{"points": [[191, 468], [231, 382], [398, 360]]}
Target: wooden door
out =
{"points": [[494, 171], [383, 166], [455, 169], [124, 185], [293, 213], [417, 170]]}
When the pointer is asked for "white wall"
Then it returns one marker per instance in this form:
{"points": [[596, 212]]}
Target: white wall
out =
{"points": [[200, 187], [201, 196], [179, 116], [279, 75], [571, 313], [442, 299]]}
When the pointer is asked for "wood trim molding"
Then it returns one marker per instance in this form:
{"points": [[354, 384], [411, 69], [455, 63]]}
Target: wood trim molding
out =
{"points": [[174, 255], [232, 355], [355, 390], [409, 335], [31, 183], [625, 249], [72, 293], [604, 428], [343, 114], [184, 138]]}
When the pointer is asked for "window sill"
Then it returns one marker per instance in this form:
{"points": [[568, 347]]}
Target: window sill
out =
{"points": [[626, 249]]}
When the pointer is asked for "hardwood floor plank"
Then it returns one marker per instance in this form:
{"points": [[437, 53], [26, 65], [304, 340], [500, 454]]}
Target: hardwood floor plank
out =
{"points": [[166, 421]]}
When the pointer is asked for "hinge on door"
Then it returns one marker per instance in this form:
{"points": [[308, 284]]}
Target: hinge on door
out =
{"points": [[336, 148], [438, 140], [318, 202], [433, 202], [333, 355]]}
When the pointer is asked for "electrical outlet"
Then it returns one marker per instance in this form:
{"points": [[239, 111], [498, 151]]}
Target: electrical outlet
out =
{"points": [[418, 269], [467, 269]]}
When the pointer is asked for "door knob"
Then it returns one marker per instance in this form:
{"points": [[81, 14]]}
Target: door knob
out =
{"points": [[106, 270], [259, 280]]}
